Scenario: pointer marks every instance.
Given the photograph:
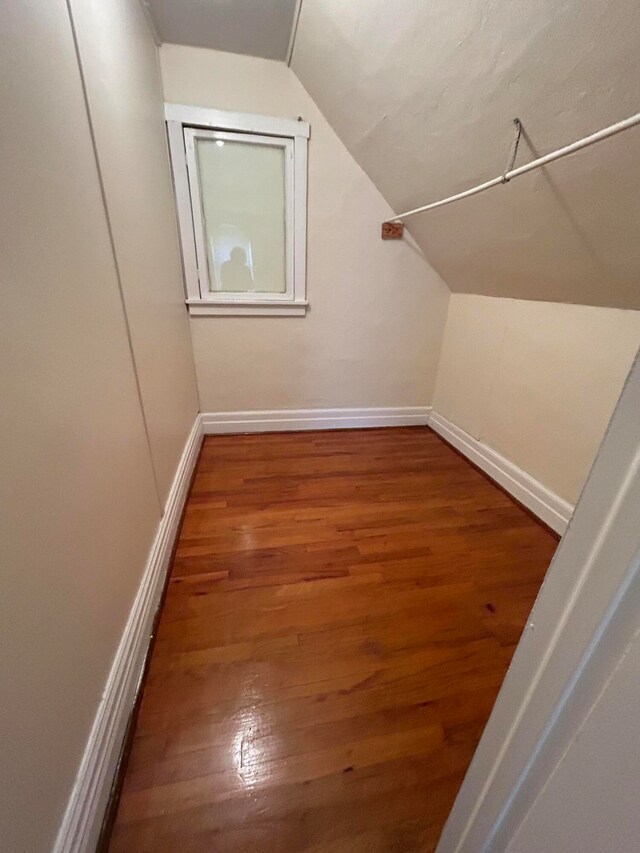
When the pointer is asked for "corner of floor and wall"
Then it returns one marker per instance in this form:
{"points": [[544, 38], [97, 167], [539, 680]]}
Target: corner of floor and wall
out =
{"points": [[111, 386]]}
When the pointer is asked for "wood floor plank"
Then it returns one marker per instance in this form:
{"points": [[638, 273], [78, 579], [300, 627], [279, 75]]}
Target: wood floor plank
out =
{"points": [[341, 611]]}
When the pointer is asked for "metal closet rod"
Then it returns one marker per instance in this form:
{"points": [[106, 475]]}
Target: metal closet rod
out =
{"points": [[612, 130]]}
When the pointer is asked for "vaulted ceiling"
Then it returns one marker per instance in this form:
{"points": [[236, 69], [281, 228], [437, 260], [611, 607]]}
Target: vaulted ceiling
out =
{"points": [[423, 94]]}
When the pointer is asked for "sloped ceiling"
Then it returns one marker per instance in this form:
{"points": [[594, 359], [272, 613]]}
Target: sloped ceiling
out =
{"points": [[423, 93]]}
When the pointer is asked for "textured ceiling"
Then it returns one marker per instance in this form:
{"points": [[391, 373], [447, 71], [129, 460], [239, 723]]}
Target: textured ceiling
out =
{"points": [[254, 27], [423, 94]]}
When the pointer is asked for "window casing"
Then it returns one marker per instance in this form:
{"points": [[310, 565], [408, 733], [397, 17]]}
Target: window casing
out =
{"points": [[241, 194]]}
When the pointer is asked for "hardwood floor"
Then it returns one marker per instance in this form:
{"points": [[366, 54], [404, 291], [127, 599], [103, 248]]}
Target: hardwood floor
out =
{"points": [[340, 615]]}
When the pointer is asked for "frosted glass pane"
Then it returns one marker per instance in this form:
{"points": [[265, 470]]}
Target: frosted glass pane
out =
{"points": [[242, 187]]}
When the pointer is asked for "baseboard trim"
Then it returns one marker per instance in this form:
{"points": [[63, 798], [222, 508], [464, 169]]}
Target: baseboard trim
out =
{"points": [[544, 503], [285, 420], [80, 827]]}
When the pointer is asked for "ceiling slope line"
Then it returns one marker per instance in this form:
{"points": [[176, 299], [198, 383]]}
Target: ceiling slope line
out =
{"points": [[294, 31]]}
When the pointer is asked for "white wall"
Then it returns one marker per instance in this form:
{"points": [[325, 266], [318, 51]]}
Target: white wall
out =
{"points": [[122, 75], [79, 504], [536, 381], [372, 334]]}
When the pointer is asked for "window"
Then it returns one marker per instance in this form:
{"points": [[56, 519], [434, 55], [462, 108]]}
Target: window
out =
{"points": [[241, 192]]}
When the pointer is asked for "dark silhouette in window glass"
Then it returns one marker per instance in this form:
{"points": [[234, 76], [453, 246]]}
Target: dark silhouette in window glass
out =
{"points": [[235, 274]]}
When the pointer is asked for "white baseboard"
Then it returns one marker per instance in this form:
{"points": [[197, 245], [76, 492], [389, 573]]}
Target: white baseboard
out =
{"points": [[544, 503], [284, 420], [83, 819]]}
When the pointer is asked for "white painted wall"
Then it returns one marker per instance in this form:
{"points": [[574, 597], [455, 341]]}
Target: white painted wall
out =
{"points": [[122, 75], [536, 381], [372, 334], [79, 505], [424, 94]]}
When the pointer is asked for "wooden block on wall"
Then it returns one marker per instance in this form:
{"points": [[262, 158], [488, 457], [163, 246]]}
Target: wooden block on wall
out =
{"points": [[392, 230]]}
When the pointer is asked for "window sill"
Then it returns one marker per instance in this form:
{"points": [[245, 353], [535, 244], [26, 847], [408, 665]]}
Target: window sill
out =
{"points": [[246, 308]]}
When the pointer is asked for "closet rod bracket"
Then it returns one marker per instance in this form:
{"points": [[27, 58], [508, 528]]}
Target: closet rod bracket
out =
{"points": [[513, 151]]}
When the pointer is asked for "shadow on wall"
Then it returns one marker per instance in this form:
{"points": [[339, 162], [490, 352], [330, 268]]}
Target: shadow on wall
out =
{"points": [[606, 273]]}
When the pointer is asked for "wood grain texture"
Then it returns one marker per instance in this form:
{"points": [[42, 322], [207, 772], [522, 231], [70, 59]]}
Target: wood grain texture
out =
{"points": [[341, 612], [392, 231]]}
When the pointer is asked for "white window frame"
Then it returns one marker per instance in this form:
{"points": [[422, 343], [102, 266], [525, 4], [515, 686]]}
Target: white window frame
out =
{"points": [[185, 125], [191, 136]]}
